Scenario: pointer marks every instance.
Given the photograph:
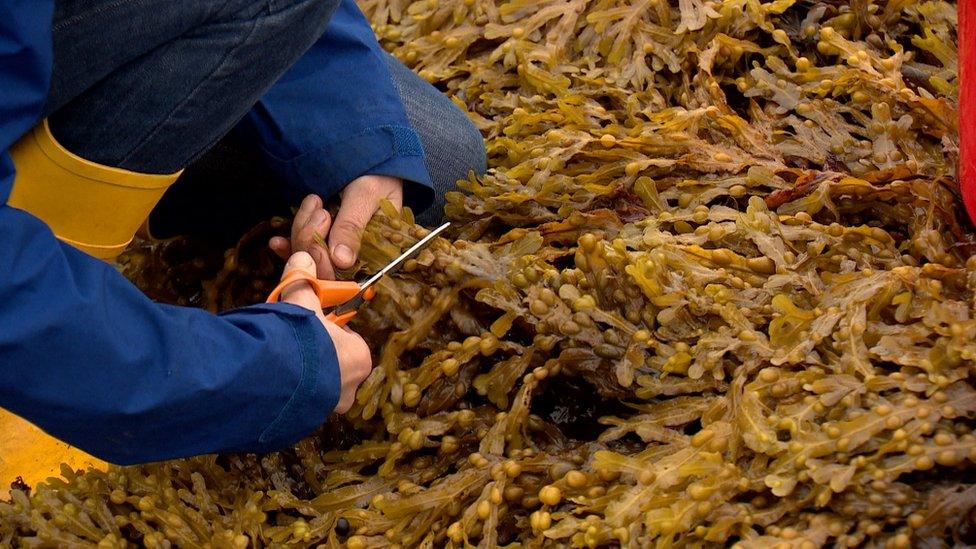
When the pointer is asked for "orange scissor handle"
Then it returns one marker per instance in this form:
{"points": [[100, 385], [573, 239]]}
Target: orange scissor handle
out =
{"points": [[329, 292], [341, 320]]}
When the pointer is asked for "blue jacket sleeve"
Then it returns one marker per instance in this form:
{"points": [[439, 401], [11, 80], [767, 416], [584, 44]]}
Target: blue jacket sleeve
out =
{"points": [[336, 115], [88, 358]]}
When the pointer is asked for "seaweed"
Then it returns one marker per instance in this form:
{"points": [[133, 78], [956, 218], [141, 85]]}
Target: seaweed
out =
{"points": [[715, 290]]}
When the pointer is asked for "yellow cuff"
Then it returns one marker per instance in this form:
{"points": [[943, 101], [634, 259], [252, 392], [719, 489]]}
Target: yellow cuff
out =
{"points": [[95, 208]]}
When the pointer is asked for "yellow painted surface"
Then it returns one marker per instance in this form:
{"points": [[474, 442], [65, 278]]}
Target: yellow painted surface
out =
{"points": [[28, 452]]}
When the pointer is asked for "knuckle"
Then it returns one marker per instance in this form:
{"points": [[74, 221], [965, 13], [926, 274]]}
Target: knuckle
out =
{"points": [[364, 365], [346, 226], [358, 210], [356, 358], [361, 376], [371, 182], [369, 185], [305, 233]]}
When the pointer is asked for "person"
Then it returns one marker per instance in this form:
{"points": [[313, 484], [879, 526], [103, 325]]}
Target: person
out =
{"points": [[102, 104]]}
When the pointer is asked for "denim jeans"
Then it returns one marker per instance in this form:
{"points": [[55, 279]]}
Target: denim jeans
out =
{"points": [[151, 86], [453, 146]]}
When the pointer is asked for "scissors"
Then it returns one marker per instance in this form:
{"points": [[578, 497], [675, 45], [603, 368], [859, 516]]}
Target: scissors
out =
{"points": [[345, 297]]}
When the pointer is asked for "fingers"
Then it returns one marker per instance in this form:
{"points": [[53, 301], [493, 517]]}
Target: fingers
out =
{"points": [[360, 200], [311, 239], [308, 231], [281, 246], [309, 205], [301, 293], [304, 225], [346, 235]]}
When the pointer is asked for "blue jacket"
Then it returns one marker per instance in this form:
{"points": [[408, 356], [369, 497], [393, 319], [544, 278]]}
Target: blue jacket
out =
{"points": [[88, 358]]}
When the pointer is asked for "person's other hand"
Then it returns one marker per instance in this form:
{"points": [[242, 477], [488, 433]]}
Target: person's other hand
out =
{"points": [[355, 361], [308, 232], [360, 200]]}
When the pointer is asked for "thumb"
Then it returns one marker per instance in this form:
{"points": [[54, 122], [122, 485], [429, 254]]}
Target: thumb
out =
{"points": [[301, 293], [347, 231]]}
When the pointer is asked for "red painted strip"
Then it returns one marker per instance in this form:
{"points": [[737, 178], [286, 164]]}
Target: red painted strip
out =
{"points": [[967, 109]]}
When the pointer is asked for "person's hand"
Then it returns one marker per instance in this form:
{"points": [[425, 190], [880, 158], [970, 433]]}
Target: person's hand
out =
{"points": [[308, 232], [360, 200], [355, 361]]}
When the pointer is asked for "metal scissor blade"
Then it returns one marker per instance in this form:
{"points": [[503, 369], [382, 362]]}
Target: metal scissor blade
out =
{"points": [[356, 301], [402, 258]]}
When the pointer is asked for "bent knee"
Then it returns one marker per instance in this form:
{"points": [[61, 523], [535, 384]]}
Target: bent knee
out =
{"points": [[459, 147], [473, 145], [454, 149], [453, 144]]}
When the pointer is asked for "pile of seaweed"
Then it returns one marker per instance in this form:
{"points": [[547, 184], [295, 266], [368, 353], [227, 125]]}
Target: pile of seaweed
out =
{"points": [[715, 290]]}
